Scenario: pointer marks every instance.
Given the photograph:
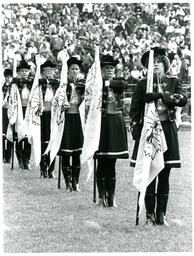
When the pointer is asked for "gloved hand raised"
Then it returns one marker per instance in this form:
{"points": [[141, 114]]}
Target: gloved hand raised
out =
{"points": [[152, 96]]}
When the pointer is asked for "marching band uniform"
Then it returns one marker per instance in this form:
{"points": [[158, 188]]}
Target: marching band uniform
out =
{"points": [[72, 139], [7, 145], [24, 83], [49, 86], [167, 94], [113, 137]]}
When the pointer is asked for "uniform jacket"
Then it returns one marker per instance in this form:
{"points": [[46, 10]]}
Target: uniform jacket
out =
{"points": [[21, 82], [53, 82], [117, 85], [173, 95], [80, 88]]}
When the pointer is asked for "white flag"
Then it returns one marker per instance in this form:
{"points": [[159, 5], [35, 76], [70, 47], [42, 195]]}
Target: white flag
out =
{"points": [[59, 104], [152, 145], [34, 109], [15, 114], [90, 112]]}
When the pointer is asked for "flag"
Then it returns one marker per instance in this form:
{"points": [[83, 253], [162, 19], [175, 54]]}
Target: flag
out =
{"points": [[15, 114], [59, 104], [152, 145], [34, 109], [90, 113]]}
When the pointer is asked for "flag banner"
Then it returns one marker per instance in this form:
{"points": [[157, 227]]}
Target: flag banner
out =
{"points": [[15, 114], [152, 145], [59, 104], [32, 117], [90, 113]]}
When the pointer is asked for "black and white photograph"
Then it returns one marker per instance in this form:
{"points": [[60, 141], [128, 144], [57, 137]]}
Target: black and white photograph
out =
{"points": [[96, 149]]}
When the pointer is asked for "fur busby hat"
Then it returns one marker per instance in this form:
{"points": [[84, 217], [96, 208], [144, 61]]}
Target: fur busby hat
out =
{"points": [[108, 60], [8, 72], [23, 65], [47, 64], [74, 60], [158, 51]]}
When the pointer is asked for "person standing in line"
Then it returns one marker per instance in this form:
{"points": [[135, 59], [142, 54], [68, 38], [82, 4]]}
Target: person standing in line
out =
{"points": [[72, 139], [167, 94], [7, 145], [49, 86], [113, 136], [24, 83]]}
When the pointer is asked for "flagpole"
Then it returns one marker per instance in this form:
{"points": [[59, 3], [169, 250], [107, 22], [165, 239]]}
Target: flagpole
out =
{"points": [[94, 188], [59, 174], [137, 212], [12, 157]]}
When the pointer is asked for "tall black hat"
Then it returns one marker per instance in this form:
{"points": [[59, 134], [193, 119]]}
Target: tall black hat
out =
{"points": [[158, 51], [8, 72], [74, 60], [108, 60], [47, 64]]}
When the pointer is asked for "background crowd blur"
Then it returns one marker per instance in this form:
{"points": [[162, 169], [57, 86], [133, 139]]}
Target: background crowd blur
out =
{"points": [[123, 30]]}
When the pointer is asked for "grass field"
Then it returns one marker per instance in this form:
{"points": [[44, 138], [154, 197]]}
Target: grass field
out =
{"points": [[38, 217]]}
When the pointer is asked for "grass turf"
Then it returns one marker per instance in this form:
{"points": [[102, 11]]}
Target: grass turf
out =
{"points": [[38, 217]]}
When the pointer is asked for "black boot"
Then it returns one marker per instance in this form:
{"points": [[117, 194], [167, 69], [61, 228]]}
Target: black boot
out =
{"points": [[150, 207], [51, 170], [101, 184], [67, 173], [43, 167], [162, 200], [110, 187], [19, 154], [7, 154], [26, 153], [75, 178]]}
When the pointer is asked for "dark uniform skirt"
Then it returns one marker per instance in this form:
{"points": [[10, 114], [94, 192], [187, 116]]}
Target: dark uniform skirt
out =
{"points": [[171, 156], [113, 137], [72, 140]]}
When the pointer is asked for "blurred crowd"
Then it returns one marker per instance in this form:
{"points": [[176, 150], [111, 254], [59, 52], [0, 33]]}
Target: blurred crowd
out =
{"points": [[123, 30]]}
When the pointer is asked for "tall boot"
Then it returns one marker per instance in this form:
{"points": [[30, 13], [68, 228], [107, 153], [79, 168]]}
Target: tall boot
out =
{"points": [[162, 200], [4, 149], [75, 178], [67, 173], [150, 200], [43, 167], [101, 184], [7, 146], [26, 154], [51, 170], [110, 187], [8, 151], [19, 154]]}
